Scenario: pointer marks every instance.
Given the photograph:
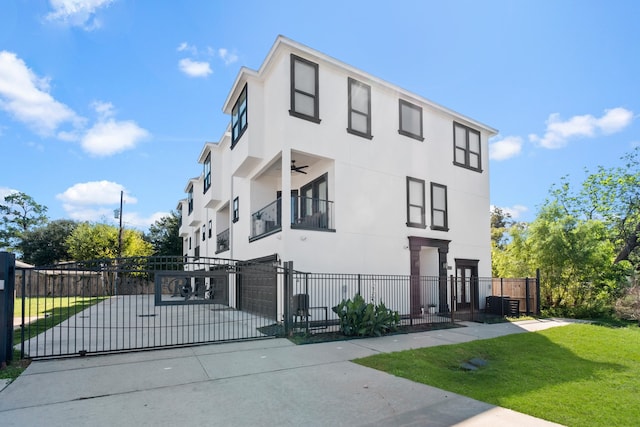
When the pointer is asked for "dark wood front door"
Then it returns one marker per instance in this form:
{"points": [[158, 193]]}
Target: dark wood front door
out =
{"points": [[466, 285]]}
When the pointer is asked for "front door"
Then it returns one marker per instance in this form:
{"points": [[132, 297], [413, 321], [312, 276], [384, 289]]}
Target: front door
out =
{"points": [[466, 284]]}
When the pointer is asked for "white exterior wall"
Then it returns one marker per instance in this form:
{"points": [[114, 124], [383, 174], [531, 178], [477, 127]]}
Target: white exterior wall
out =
{"points": [[366, 178]]}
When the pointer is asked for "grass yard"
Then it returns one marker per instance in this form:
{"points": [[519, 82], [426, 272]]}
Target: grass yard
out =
{"points": [[576, 375], [49, 311]]}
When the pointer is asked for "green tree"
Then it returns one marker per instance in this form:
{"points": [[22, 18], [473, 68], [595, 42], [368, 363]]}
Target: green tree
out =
{"points": [[97, 241], [20, 213], [610, 195], [47, 244], [164, 235]]}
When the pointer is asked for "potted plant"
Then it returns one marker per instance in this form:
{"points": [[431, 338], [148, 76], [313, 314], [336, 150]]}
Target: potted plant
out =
{"points": [[432, 308], [222, 244], [260, 225]]}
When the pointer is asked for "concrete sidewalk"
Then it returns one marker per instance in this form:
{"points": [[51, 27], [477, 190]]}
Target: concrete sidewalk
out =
{"points": [[255, 383]]}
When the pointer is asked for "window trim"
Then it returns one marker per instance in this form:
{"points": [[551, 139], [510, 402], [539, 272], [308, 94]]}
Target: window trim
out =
{"points": [[404, 132], [445, 227], [207, 173], [467, 150], [422, 207], [350, 110], [315, 118], [236, 209], [236, 135]]}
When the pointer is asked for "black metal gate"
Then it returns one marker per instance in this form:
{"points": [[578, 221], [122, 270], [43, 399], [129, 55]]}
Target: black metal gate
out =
{"points": [[128, 304]]}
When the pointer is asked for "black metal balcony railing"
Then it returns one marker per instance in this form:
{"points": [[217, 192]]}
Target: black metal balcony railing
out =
{"points": [[222, 241], [311, 213], [267, 220], [306, 213]]}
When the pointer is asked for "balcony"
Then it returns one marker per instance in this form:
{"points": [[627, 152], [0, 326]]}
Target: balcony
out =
{"points": [[222, 241], [307, 214]]}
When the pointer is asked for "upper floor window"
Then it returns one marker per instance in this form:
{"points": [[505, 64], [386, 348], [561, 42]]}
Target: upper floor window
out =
{"points": [[466, 145], [304, 89], [207, 173], [239, 117], [190, 199], [415, 203], [204, 233], [439, 215], [210, 228], [236, 209], [359, 109], [410, 120]]}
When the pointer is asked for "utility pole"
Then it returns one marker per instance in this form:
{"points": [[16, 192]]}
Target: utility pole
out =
{"points": [[120, 229]]}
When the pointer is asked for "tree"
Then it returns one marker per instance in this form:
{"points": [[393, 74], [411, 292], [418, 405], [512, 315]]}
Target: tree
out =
{"points": [[99, 241], [47, 245], [611, 195], [20, 213], [500, 221], [164, 235]]}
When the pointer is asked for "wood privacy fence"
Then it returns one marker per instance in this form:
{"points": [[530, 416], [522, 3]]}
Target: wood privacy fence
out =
{"points": [[526, 291]]}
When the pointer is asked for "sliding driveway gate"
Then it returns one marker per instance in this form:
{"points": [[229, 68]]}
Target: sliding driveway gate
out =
{"points": [[128, 304]]}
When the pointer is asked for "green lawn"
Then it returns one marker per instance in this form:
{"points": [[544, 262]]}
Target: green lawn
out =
{"points": [[49, 312], [577, 375]]}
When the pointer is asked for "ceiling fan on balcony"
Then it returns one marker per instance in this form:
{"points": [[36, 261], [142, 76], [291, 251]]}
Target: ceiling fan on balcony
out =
{"points": [[295, 168]]}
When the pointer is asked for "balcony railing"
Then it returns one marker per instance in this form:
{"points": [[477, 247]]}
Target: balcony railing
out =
{"points": [[267, 220], [312, 214], [306, 213], [222, 241]]}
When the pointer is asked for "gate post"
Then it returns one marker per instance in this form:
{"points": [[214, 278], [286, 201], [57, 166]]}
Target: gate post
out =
{"points": [[537, 291], [7, 286], [288, 287]]}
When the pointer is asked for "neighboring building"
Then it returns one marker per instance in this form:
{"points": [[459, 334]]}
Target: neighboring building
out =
{"points": [[339, 171]]}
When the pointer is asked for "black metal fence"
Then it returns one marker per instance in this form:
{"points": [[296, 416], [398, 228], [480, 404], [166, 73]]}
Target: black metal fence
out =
{"points": [[130, 304], [140, 303]]}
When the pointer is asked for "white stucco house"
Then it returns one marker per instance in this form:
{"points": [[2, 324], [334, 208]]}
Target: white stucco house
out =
{"points": [[339, 171]]}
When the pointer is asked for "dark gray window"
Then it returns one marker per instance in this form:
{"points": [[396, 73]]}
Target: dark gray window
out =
{"points": [[359, 109], [236, 209], [239, 117], [415, 203], [207, 173], [439, 220], [410, 120], [466, 146], [304, 89], [190, 199]]}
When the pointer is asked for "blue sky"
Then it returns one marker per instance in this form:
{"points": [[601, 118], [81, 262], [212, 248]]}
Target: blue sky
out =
{"points": [[99, 96]]}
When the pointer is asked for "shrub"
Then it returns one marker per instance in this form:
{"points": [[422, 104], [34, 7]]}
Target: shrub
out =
{"points": [[358, 318], [628, 307]]}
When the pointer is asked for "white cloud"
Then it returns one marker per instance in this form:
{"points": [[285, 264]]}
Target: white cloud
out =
{"points": [[96, 201], [186, 47], [77, 13], [26, 97], [515, 211], [5, 191], [228, 58], [95, 193], [194, 68], [111, 137], [559, 132], [505, 148]]}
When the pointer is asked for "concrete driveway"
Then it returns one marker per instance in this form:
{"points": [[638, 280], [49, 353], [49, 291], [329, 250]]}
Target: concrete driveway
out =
{"points": [[256, 383]]}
